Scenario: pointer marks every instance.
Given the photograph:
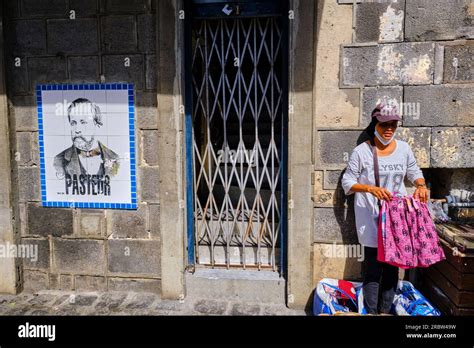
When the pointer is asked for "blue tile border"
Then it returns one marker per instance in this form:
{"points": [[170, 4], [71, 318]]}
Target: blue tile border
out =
{"points": [[131, 117]]}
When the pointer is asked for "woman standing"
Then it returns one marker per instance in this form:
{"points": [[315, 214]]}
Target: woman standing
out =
{"points": [[395, 161]]}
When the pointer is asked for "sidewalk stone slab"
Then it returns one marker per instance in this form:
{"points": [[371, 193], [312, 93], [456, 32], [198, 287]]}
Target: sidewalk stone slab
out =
{"points": [[110, 301], [60, 300], [141, 301], [239, 309], [169, 306], [210, 307], [125, 303], [42, 299], [83, 300], [38, 312]]}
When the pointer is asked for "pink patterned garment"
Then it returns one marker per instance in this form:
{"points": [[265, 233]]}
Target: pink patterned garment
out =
{"points": [[406, 236]]}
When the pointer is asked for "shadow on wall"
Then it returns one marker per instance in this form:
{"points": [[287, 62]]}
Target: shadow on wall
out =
{"points": [[345, 218]]}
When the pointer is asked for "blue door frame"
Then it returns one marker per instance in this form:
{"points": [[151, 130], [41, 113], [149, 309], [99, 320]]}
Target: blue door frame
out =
{"points": [[212, 9]]}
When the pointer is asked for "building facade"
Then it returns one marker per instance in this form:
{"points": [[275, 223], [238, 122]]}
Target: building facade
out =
{"points": [[288, 86]]}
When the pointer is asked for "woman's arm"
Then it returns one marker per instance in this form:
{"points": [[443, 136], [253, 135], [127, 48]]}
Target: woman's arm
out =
{"points": [[415, 175], [421, 191], [379, 192], [350, 180]]}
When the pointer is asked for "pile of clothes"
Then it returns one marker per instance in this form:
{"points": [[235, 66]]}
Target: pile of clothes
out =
{"points": [[342, 297]]}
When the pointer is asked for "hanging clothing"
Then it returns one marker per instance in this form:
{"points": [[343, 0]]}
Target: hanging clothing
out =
{"points": [[407, 237]]}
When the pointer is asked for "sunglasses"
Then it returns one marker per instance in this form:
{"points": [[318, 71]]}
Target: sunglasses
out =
{"points": [[393, 124]]}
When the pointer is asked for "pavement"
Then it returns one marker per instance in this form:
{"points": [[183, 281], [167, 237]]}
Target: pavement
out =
{"points": [[49, 302]]}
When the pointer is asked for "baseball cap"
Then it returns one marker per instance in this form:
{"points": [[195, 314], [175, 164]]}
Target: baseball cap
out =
{"points": [[386, 112]]}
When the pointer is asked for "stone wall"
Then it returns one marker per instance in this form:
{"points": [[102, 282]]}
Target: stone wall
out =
{"points": [[84, 41], [418, 52]]}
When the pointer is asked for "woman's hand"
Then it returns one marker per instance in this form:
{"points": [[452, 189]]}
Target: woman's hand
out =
{"points": [[422, 194], [380, 192]]}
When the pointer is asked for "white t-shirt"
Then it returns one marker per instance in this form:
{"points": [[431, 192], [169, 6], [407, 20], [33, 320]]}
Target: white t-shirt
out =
{"points": [[392, 171]]}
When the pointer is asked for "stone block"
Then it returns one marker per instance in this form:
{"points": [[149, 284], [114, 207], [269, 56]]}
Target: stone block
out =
{"points": [[35, 281], [419, 140], [26, 37], [150, 147], [53, 281], [428, 20], [146, 110], [36, 253], [17, 74], [79, 256], [334, 107], [66, 282], [119, 34], [154, 220], [12, 9], [388, 65], [332, 179], [22, 110], [92, 224], [440, 105], [134, 257], [78, 36], [335, 147], [88, 283], [84, 69], [151, 80], [327, 190], [49, 221], [47, 70], [146, 33], [459, 63], [134, 284], [127, 5], [452, 147], [27, 150], [334, 225], [124, 68], [329, 261], [379, 21], [128, 224], [39, 8], [29, 184], [84, 8], [149, 184], [371, 96]]}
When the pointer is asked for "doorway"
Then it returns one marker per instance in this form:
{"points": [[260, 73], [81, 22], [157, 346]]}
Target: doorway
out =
{"points": [[236, 133]]}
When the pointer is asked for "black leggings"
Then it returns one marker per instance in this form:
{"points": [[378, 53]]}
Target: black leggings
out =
{"points": [[380, 283]]}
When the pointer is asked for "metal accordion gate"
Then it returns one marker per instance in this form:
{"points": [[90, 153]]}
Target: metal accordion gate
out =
{"points": [[236, 142]]}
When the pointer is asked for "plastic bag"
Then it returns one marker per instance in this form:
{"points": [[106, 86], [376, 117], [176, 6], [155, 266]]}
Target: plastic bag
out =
{"points": [[409, 301], [437, 212], [334, 296]]}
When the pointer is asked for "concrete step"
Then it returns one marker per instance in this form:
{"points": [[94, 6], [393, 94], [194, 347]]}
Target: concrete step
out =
{"points": [[236, 285]]}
